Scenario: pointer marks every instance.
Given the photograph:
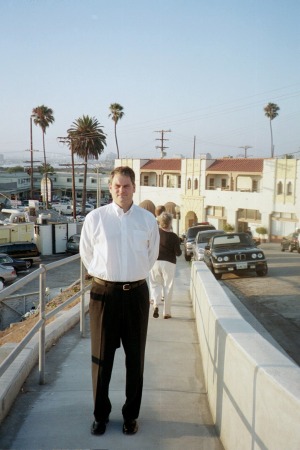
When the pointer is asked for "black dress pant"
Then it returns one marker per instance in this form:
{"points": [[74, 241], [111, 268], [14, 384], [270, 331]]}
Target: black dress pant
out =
{"points": [[118, 316]]}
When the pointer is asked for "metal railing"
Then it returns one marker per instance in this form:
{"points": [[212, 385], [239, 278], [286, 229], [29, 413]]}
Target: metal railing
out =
{"points": [[40, 326]]}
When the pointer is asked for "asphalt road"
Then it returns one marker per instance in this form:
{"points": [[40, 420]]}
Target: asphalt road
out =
{"points": [[56, 279], [275, 299]]}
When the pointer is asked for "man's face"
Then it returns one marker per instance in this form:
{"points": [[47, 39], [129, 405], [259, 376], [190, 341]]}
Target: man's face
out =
{"points": [[122, 191]]}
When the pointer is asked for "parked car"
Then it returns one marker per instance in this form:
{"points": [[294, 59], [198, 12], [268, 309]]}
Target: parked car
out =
{"points": [[65, 208], [234, 252], [201, 241], [88, 207], [22, 250], [17, 264], [7, 274], [73, 244], [291, 242], [190, 235]]}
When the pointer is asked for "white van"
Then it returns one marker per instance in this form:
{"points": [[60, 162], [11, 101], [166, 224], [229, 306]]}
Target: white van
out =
{"points": [[65, 208]]}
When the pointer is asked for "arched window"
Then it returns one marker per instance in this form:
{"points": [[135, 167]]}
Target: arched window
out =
{"points": [[279, 188], [196, 183], [189, 184], [289, 188]]}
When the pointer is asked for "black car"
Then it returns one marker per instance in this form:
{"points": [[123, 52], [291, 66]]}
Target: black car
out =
{"points": [[73, 244], [17, 264], [190, 236], [27, 251], [291, 242], [234, 252]]}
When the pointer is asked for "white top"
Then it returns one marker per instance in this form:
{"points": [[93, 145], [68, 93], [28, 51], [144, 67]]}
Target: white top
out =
{"points": [[118, 246]]}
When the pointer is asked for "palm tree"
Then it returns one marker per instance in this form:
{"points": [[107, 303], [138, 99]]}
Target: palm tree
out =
{"points": [[43, 116], [87, 140], [271, 111], [116, 113]]}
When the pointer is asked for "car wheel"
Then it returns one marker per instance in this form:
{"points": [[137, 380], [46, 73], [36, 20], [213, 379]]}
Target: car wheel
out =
{"points": [[28, 264], [262, 272], [187, 257], [282, 249], [218, 276], [290, 248]]}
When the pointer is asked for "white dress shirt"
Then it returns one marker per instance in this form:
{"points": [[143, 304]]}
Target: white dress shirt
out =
{"points": [[118, 246]]}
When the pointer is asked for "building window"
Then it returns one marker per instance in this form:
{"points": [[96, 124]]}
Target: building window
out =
{"points": [[279, 188], [254, 186], [80, 180], [93, 180], [211, 183], [196, 183], [289, 190], [189, 184], [223, 183], [146, 180], [69, 180], [179, 181]]}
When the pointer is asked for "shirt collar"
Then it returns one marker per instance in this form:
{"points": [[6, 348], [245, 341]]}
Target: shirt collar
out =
{"points": [[120, 211]]}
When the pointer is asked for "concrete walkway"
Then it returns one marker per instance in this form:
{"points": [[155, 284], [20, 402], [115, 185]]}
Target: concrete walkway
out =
{"points": [[174, 413]]}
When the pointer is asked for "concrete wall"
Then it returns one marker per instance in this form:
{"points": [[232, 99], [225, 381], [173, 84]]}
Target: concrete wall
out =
{"points": [[253, 388]]}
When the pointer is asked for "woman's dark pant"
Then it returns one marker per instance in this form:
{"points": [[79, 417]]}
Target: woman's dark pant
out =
{"points": [[118, 316]]}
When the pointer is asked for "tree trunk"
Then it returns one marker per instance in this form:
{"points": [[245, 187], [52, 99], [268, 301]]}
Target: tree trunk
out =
{"points": [[118, 154]]}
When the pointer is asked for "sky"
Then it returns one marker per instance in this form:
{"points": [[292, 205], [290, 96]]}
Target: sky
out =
{"points": [[204, 70]]}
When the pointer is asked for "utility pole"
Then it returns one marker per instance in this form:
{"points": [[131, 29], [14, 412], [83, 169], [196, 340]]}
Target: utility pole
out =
{"points": [[246, 147], [31, 159], [162, 139]]}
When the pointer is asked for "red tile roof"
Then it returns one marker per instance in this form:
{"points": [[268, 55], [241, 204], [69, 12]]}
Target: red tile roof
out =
{"points": [[163, 164], [237, 165]]}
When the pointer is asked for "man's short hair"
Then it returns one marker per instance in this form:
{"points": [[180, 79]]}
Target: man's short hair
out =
{"points": [[123, 170]]}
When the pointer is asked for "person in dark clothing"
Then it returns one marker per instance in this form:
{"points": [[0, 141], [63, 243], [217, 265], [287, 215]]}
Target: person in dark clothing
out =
{"points": [[162, 274]]}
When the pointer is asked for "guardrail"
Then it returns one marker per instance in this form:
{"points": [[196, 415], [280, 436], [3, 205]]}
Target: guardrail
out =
{"points": [[40, 326]]}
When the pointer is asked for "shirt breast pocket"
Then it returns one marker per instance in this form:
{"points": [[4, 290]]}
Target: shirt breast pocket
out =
{"points": [[141, 240]]}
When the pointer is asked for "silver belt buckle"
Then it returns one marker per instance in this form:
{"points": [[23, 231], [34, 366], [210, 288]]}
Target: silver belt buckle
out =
{"points": [[126, 287]]}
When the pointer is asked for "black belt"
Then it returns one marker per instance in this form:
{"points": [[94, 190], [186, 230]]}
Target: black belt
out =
{"points": [[119, 285]]}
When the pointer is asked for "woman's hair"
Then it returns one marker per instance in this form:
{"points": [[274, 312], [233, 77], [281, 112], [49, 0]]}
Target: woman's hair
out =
{"points": [[123, 170], [159, 209], [165, 220]]}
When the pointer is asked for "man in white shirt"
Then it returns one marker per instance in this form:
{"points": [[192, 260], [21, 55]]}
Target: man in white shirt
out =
{"points": [[119, 244]]}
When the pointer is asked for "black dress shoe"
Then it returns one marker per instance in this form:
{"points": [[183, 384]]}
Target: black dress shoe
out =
{"points": [[130, 426], [99, 427]]}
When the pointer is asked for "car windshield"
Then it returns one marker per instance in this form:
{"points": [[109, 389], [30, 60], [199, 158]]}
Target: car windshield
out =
{"points": [[203, 238], [74, 239], [232, 239], [5, 259]]}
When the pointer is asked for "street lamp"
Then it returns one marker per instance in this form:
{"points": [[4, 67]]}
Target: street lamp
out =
{"points": [[177, 211]]}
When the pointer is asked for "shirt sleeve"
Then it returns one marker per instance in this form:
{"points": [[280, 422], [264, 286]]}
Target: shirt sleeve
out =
{"points": [[86, 245], [153, 249], [178, 250]]}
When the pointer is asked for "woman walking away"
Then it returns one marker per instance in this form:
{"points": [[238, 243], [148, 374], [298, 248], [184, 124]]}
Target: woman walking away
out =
{"points": [[162, 273]]}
